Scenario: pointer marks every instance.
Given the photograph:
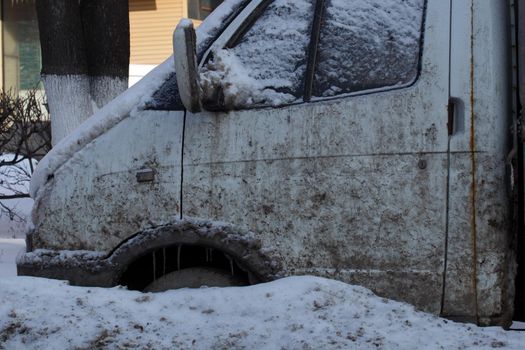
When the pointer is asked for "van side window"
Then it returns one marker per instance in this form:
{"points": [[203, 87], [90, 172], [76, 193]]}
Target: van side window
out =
{"points": [[266, 65], [368, 44]]}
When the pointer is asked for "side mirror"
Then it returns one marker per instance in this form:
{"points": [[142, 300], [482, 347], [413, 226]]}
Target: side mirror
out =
{"points": [[185, 48]]}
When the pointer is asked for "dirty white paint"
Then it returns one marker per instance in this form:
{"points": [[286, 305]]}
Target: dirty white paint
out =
{"points": [[480, 267], [336, 185], [103, 200]]}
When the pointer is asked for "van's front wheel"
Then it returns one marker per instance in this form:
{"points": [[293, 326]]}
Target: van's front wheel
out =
{"points": [[194, 277]]}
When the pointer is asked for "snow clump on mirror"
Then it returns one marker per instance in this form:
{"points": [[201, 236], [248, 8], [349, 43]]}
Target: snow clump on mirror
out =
{"points": [[266, 65], [228, 84]]}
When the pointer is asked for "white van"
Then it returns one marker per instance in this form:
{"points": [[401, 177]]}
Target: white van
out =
{"points": [[374, 142]]}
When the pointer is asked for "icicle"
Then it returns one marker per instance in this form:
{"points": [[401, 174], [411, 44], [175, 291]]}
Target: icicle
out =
{"points": [[163, 261], [178, 258], [209, 254], [231, 264], [154, 267]]}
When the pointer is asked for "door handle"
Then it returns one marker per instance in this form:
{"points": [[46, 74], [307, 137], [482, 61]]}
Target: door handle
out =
{"points": [[456, 116]]}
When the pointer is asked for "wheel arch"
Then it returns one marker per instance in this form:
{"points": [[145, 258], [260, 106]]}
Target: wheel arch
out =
{"points": [[242, 246]]}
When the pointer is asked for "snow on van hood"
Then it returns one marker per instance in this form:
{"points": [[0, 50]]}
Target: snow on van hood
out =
{"points": [[126, 104]]}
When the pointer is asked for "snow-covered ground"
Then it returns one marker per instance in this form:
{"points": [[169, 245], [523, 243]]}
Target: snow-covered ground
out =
{"points": [[14, 180], [292, 313], [9, 249], [14, 227]]}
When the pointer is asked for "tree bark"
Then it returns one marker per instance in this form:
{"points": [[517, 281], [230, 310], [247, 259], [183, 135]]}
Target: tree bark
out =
{"points": [[64, 65], [61, 37], [85, 57], [106, 36]]}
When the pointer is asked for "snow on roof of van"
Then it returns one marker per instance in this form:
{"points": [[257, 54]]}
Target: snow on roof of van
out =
{"points": [[128, 103]]}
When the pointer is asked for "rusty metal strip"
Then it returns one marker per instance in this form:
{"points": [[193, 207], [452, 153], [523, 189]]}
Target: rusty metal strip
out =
{"points": [[447, 201], [181, 198], [473, 229]]}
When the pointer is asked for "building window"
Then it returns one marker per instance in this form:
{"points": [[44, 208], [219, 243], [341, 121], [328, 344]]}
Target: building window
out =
{"points": [[200, 9], [21, 46]]}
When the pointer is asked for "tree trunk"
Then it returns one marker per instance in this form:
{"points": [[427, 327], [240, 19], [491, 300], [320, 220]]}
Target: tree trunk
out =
{"points": [[106, 35], [85, 57], [64, 65]]}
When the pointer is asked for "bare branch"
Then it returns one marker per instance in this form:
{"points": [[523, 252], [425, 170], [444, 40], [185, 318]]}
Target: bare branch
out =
{"points": [[25, 137], [14, 196]]}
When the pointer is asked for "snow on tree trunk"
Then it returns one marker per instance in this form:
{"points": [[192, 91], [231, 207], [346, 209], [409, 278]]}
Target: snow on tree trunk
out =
{"points": [[69, 103], [85, 57], [105, 88]]}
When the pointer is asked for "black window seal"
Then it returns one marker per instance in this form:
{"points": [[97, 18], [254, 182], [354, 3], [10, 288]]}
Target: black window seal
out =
{"points": [[229, 20], [313, 50], [247, 24]]}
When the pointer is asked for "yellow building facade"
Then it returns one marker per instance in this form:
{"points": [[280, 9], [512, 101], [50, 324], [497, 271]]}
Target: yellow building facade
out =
{"points": [[151, 26]]}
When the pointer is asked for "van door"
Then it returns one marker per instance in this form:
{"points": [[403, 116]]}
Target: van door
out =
{"points": [[330, 141]]}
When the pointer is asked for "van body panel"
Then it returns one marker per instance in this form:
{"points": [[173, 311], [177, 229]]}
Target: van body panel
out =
{"points": [[479, 261], [346, 188], [94, 201], [492, 131]]}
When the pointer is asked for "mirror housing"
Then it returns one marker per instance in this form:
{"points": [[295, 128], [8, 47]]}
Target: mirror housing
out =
{"points": [[186, 69]]}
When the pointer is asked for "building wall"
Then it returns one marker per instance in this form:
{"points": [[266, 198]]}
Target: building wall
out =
{"points": [[151, 27], [1, 47], [21, 59]]}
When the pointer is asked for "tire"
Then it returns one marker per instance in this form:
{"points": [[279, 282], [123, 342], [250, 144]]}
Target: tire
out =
{"points": [[194, 277]]}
